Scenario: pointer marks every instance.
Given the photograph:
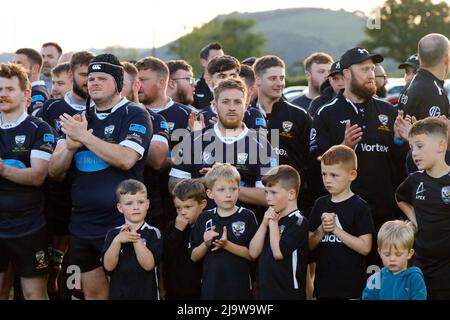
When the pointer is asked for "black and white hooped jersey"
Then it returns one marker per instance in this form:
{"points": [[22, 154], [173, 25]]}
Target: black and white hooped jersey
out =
{"points": [[430, 198], [225, 275], [341, 271], [424, 96], [253, 118], [54, 108], [94, 180], [285, 279], [39, 94], [250, 153], [129, 281], [20, 205]]}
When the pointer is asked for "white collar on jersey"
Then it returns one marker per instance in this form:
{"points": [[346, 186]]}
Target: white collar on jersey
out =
{"points": [[168, 105], [102, 116], [38, 83], [229, 140], [12, 124], [70, 100]]}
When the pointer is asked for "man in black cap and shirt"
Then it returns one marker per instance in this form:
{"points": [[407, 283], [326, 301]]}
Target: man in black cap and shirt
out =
{"points": [[410, 65], [425, 95], [366, 124]]}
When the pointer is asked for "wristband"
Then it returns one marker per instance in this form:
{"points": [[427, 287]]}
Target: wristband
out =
{"points": [[398, 141]]}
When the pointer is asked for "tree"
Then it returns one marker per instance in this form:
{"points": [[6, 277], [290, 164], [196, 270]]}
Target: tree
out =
{"points": [[403, 23], [235, 35]]}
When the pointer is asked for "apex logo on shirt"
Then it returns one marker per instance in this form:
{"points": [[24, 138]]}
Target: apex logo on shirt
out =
{"points": [[445, 194], [20, 140], [238, 228], [419, 192]]}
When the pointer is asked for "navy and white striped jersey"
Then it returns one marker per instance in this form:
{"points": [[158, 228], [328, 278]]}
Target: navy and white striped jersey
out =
{"points": [[253, 118], [39, 94], [21, 206]]}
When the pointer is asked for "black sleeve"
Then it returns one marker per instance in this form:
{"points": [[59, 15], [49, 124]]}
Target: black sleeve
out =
{"points": [[172, 242], [183, 156], [196, 237], [155, 245], [405, 191], [320, 135], [294, 237], [363, 220], [315, 216], [252, 226]]}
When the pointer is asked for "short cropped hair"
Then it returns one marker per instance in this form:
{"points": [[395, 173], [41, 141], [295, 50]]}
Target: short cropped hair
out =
{"points": [[154, 64], [397, 233], [266, 62], [11, 70], [175, 65], [248, 75], [33, 56], [53, 44], [204, 52], [317, 58], [223, 63], [429, 126], [340, 154], [189, 189], [130, 186], [286, 176], [60, 68], [230, 84], [81, 58], [130, 69], [222, 171]]}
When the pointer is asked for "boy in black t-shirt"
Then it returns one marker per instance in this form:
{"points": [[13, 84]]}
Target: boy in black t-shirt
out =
{"points": [[341, 228], [221, 237], [424, 197], [283, 250], [132, 251], [182, 277]]}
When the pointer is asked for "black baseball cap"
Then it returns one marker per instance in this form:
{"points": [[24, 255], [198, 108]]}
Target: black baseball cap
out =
{"points": [[250, 61], [335, 68], [358, 55], [412, 61]]}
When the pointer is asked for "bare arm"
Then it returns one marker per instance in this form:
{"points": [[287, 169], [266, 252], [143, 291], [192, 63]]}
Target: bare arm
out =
{"points": [[157, 154], [274, 233], [408, 210], [257, 243], [238, 250], [315, 237], [255, 196], [361, 244], [111, 257], [199, 252], [144, 255], [33, 176], [61, 160]]}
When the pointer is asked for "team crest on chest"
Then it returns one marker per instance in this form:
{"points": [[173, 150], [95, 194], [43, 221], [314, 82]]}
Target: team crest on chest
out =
{"points": [[445, 194], [58, 125], [40, 258], [20, 140], [384, 120], [171, 125], [287, 126], [238, 228], [109, 130]]}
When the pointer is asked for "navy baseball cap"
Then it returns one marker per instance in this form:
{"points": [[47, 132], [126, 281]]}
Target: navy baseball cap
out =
{"points": [[412, 61], [358, 55], [335, 68]]}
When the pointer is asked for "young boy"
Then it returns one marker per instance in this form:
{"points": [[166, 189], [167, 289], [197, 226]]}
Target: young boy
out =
{"points": [[182, 277], [340, 228], [221, 237], [283, 250], [396, 281], [424, 197], [132, 251]]}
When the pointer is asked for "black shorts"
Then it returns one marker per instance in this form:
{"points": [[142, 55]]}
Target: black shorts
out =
{"points": [[57, 208], [86, 253], [28, 254]]}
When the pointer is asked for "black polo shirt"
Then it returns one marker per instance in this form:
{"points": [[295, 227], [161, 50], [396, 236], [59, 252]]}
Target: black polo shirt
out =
{"points": [[203, 95]]}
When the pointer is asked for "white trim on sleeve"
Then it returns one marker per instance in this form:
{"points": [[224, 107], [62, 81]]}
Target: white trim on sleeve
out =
{"points": [[177, 173], [39, 154], [159, 138], [135, 146]]}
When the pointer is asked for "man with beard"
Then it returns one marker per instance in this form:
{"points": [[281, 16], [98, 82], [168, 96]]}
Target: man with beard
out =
{"points": [[317, 66], [50, 52], [229, 140], [181, 85], [62, 80], [31, 60], [425, 95], [107, 144], [366, 124], [380, 81]]}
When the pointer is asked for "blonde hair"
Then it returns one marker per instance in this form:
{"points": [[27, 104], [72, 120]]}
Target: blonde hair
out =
{"points": [[397, 233], [222, 171]]}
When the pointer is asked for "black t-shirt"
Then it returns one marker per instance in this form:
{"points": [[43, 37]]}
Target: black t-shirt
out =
{"points": [[95, 181], [380, 162], [425, 96], [21, 206], [303, 101], [341, 271], [182, 276], [285, 279], [203, 94], [430, 198], [225, 275], [129, 281]]}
